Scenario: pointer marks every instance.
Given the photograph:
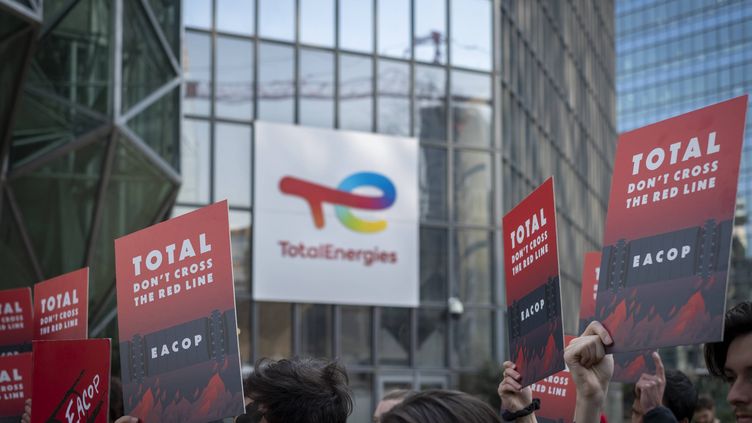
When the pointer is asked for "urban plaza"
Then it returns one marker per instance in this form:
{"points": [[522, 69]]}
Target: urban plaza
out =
{"points": [[384, 211]]}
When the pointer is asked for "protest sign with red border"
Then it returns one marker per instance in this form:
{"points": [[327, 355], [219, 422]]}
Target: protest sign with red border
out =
{"points": [[591, 266], [558, 396], [61, 307], [531, 266], [71, 381], [176, 311], [16, 326], [15, 385], [668, 230]]}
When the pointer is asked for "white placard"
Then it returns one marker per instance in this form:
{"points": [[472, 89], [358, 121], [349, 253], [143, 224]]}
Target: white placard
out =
{"points": [[335, 217]]}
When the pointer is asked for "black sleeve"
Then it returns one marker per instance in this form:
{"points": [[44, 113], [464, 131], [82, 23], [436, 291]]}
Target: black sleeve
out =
{"points": [[659, 414]]}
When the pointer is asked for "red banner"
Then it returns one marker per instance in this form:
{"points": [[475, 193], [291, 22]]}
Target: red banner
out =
{"points": [[531, 266], [558, 396], [61, 307], [15, 384], [16, 327], [71, 381], [668, 230], [591, 267], [176, 312]]}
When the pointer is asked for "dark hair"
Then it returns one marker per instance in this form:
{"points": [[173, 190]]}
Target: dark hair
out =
{"points": [[441, 406], [397, 394], [704, 402], [738, 322], [301, 390], [680, 395]]}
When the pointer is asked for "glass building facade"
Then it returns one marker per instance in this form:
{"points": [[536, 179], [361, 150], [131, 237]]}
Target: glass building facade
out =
{"points": [[500, 94], [674, 56]]}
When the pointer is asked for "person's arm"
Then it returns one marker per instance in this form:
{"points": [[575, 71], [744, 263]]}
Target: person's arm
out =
{"points": [[513, 396], [649, 390], [26, 417], [591, 370]]}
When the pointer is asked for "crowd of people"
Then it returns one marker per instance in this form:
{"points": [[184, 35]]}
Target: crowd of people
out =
{"points": [[305, 390]]}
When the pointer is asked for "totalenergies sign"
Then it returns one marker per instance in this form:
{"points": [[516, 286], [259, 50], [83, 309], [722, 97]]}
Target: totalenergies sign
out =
{"points": [[344, 199], [336, 216]]}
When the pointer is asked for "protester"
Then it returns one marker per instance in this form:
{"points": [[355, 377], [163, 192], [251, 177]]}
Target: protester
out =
{"points": [[300, 390], [674, 395], [516, 402], [731, 359], [441, 406], [705, 410], [591, 370], [391, 399]]}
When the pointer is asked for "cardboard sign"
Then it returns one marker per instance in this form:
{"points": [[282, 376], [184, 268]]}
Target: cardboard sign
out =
{"points": [[531, 266], [591, 267], [668, 230], [336, 217], [16, 327], [71, 381], [61, 307], [176, 312], [558, 396], [15, 385], [629, 366]]}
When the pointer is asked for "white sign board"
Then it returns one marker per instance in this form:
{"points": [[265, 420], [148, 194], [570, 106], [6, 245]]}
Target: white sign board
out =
{"points": [[335, 217]]}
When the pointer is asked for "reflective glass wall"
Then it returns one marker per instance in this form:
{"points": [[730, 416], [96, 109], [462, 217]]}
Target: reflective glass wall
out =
{"points": [[425, 68]]}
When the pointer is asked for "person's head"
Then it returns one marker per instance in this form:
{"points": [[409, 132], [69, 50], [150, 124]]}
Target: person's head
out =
{"points": [[300, 390], [441, 406], [679, 396], [731, 359], [704, 410], [391, 399]]}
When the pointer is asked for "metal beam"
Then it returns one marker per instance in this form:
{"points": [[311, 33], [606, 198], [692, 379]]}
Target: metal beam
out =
{"points": [[150, 155], [16, 214], [22, 12], [149, 100], [166, 47]]}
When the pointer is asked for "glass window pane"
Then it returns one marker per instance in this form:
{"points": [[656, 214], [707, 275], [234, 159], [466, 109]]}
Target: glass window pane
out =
{"points": [[234, 76], [317, 22], [275, 83], [362, 392], [356, 25], [432, 326], [473, 265], [430, 103], [275, 330], [277, 19], [232, 164], [434, 258], [194, 162], [240, 237], [394, 28], [394, 337], [243, 307], [430, 31], [356, 92], [197, 73], [316, 88], [471, 33], [471, 96], [235, 16], [433, 183], [197, 13], [356, 334], [316, 330], [473, 335], [394, 98], [473, 188]]}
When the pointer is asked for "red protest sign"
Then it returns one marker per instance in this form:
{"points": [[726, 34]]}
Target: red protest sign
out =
{"points": [[15, 384], [176, 313], [71, 381], [61, 307], [668, 229], [16, 327], [558, 396], [531, 266], [591, 267]]}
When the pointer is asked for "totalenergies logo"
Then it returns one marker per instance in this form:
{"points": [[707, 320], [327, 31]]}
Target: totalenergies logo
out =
{"points": [[344, 200]]}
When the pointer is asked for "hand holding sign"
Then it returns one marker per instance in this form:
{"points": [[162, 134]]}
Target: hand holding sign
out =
{"points": [[591, 370], [513, 396]]}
